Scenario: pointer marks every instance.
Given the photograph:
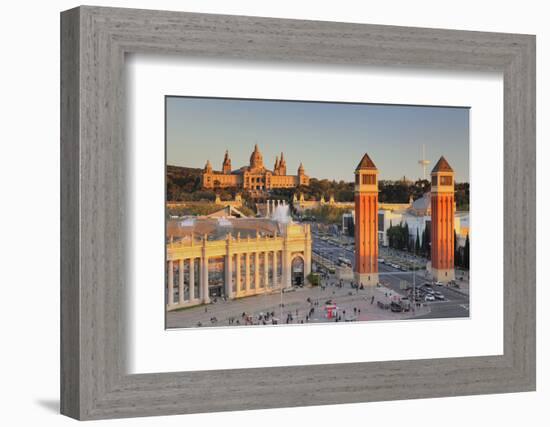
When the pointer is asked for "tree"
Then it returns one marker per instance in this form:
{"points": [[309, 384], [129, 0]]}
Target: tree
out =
{"points": [[467, 252], [426, 242], [457, 257], [406, 238]]}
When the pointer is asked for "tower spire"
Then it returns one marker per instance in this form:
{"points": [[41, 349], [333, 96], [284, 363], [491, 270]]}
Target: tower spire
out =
{"points": [[442, 221], [366, 222], [226, 165]]}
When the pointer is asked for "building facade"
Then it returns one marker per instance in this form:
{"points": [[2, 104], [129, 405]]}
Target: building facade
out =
{"points": [[255, 177], [418, 218], [235, 266], [442, 223], [302, 206], [366, 222]]}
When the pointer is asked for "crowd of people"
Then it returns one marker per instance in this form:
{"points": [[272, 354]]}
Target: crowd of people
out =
{"points": [[312, 312]]}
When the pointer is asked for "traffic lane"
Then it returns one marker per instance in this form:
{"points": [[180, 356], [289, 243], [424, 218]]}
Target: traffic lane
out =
{"points": [[333, 252], [447, 310], [392, 275], [450, 296]]}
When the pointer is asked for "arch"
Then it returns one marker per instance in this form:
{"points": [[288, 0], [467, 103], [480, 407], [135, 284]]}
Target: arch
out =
{"points": [[297, 270]]}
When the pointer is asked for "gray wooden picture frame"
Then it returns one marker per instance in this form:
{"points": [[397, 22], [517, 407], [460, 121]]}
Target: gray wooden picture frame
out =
{"points": [[94, 41]]}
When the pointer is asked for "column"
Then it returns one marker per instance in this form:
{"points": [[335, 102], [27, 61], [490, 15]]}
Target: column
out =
{"points": [[204, 276], [191, 279], [170, 282], [274, 282], [266, 269], [286, 279], [229, 275], [180, 282], [307, 252], [247, 272], [238, 273], [256, 270]]}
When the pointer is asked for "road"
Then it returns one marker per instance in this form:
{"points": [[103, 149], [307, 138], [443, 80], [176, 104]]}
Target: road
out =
{"points": [[456, 304]]}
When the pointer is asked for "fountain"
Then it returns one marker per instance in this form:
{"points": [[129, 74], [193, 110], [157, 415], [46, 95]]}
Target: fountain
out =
{"points": [[224, 222], [281, 214], [188, 222]]}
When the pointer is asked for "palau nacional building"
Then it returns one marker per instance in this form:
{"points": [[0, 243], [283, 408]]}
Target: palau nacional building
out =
{"points": [[253, 178], [224, 256]]}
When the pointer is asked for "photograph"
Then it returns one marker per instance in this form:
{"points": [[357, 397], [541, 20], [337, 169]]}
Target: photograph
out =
{"points": [[283, 212]]}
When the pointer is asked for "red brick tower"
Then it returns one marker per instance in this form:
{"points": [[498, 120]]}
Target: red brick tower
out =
{"points": [[366, 222], [442, 229]]}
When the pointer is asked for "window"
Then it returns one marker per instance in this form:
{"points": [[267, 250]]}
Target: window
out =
{"points": [[434, 181], [357, 179], [446, 180], [369, 179]]}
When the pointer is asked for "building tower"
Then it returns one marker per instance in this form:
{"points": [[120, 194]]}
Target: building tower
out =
{"points": [[302, 180], [282, 165], [208, 167], [256, 159], [442, 228], [226, 166], [423, 162], [276, 166], [366, 222]]}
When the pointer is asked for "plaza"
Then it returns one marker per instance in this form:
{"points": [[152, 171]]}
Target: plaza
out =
{"points": [[294, 307]]}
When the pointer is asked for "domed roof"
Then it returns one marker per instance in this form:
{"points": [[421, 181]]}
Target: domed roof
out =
{"points": [[256, 158]]}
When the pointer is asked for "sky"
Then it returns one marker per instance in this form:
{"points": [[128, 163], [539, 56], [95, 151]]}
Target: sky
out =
{"points": [[328, 138]]}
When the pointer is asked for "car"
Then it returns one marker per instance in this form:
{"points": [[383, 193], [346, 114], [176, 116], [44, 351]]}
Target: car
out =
{"points": [[438, 284], [396, 307], [429, 297], [382, 305], [439, 296]]}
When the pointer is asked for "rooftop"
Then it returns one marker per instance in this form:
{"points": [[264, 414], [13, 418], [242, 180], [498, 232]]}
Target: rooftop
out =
{"points": [[442, 166], [366, 163]]}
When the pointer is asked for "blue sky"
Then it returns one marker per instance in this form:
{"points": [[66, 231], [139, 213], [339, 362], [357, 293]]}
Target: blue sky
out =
{"points": [[329, 138]]}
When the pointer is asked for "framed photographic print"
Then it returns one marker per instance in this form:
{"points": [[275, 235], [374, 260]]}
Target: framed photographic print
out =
{"points": [[263, 213]]}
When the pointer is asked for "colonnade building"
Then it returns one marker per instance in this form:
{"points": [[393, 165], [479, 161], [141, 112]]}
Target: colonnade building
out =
{"points": [[232, 258]]}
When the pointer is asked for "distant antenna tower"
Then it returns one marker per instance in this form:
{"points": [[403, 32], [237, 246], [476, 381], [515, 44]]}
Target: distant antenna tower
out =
{"points": [[423, 162]]}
